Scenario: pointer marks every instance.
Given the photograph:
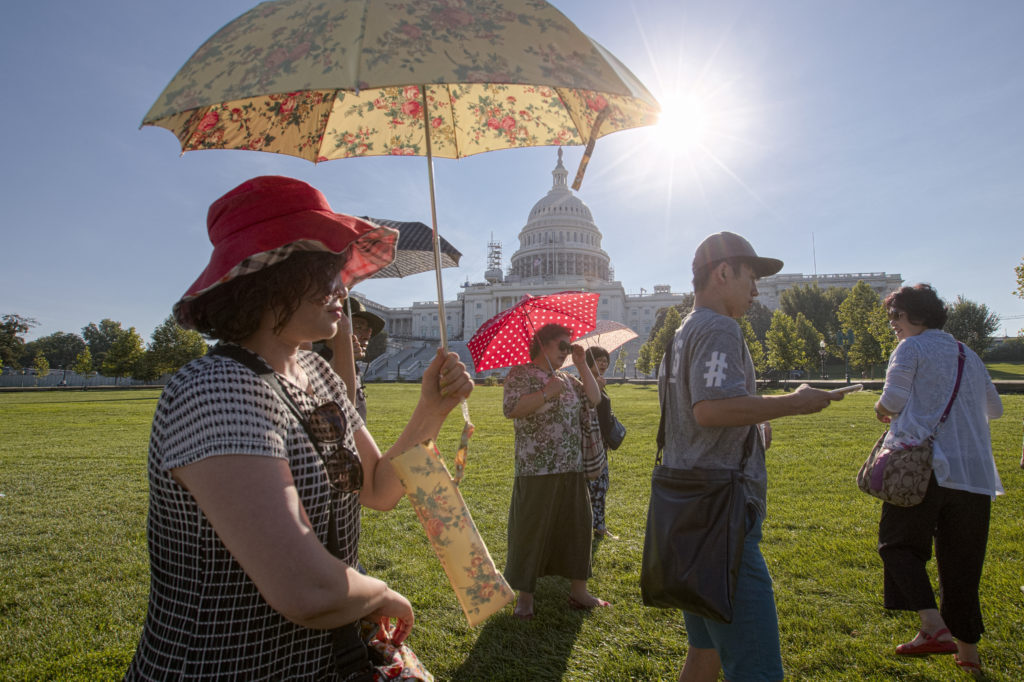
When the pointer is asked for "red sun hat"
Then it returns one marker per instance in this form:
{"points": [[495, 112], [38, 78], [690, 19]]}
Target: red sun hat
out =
{"points": [[266, 219]]}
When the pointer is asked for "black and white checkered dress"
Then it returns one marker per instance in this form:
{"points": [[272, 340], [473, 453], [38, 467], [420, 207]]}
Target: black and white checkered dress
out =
{"points": [[206, 619]]}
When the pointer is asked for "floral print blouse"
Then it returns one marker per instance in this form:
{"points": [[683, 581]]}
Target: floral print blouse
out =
{"points": [[549, 440]]}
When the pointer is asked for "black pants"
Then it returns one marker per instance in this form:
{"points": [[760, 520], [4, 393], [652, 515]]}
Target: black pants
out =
{"points": [[958, 522]]}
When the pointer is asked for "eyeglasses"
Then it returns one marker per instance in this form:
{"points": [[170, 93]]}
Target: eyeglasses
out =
{"points": [[895, 315], [564, 346], [339, 294], [344, 468]]}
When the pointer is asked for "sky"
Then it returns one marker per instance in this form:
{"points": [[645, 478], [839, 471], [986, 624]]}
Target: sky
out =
{"points": [[838, 136]]}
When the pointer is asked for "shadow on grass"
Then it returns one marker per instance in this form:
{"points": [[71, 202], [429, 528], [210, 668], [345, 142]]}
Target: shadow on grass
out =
{"points": [[539, 649]]}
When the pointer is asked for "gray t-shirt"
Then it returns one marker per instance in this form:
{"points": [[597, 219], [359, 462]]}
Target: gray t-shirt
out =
{"points": [[710, 361]]}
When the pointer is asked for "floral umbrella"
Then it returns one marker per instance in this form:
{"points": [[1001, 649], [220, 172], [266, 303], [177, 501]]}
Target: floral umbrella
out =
{"points": [[504, 340], [608, 335], [331, 79]]}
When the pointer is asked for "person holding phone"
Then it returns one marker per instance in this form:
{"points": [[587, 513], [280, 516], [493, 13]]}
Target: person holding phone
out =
{"points": [[711, 405], [550, 518]]}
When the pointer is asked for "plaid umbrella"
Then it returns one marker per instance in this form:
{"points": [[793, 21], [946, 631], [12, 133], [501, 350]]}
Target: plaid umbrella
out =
{"points": [[504, 340], [415, 251]]}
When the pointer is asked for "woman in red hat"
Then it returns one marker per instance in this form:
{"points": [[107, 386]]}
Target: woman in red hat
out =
{"points": [[258, 462]]}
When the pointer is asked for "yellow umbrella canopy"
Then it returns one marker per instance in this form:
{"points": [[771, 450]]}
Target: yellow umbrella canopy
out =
{"points": [[330, 79]]}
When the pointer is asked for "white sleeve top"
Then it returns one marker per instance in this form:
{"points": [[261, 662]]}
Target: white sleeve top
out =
{"points": [[918, 385]]}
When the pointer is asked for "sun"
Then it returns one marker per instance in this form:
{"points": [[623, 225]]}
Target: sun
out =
{"points": [[685, 124]]}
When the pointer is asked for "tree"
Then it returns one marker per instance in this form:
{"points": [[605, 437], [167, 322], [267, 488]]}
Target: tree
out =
{"points": [[683, 308], [172, 347], [835, 297], [820, 306], [12, 326], [784, 346], [41, 366], [668, 331], [1019, 271], [122, 359], [83, 364], [760, 319], [60, 348], [810, 341], [855, 315], [755, 347], [972, 323], [620, 362], [643, 359], [100, 338], [878, 327]]}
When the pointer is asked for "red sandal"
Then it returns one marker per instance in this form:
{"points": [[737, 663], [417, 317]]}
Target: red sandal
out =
{"points": [[929, 645], [969, 667]]}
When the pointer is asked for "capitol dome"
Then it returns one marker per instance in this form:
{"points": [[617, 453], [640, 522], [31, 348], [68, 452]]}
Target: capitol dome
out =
{"points": [[560, 237]]}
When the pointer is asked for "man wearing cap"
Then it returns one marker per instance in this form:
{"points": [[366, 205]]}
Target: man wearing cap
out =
{"points": [[349, 345], [711, 404]]}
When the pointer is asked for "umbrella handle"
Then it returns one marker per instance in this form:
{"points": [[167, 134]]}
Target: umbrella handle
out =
{"points": [[433, 222]]}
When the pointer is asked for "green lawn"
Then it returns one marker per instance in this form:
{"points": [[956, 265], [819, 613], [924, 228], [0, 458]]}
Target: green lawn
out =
{"points": [[74, 567], [1006, 370]]}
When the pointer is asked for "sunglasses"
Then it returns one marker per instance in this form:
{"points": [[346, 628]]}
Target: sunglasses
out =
{"points": [[564, 346], [895, 315], [344, 468], [339, 294]]}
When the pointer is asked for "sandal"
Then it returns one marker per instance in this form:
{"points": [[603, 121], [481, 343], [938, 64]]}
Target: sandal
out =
{"points": [[580, 606], [969, 667], [930, 644]]}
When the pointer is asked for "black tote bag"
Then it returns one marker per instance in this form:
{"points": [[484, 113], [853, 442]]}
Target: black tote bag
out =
{"points": [[696, 525]]}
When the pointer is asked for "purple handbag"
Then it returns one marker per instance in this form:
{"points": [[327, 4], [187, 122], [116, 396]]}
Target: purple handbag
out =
{"points": [[900, 475]]}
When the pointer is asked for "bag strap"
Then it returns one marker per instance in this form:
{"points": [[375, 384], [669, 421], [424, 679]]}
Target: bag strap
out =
{"points": [[260, 368], [350, 652], [962, 357]]}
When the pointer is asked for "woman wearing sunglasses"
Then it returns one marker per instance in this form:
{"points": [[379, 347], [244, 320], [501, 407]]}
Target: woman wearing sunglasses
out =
{"points": [[549, 521], [258, 462]]}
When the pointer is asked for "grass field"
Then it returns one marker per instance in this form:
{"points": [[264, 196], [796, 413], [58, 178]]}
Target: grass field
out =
{"points": [[1006, 370], [75, 574]]}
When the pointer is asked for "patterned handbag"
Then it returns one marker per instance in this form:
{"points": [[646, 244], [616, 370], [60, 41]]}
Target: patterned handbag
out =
{"points": [[900, 475], [480, 589]]}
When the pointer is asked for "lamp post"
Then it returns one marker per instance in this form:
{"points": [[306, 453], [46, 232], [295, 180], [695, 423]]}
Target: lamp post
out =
{"points": [[822, 352], [845, 341], [634, 369]]}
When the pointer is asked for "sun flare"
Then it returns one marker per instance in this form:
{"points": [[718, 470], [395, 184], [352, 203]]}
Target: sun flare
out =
{"points": [[685, 122]]}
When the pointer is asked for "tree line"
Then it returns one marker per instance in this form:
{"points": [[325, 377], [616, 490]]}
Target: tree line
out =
{"points": [[106, 348], [815, 326]]}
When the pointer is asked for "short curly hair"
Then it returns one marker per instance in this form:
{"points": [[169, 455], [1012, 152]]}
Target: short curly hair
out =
{"points": [[920, 304], [232, 311], [545, 334]]}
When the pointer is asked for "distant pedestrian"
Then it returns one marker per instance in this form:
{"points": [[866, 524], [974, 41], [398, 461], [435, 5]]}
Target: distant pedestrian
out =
{"points": [[598, 361]]}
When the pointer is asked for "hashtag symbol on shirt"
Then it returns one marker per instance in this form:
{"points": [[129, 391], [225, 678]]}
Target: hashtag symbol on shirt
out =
{"points": [[716, 369]]}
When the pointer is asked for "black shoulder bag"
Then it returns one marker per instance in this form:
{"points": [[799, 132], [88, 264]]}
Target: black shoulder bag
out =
{"points": [[696, 524], [351, 657], [612, 430]]}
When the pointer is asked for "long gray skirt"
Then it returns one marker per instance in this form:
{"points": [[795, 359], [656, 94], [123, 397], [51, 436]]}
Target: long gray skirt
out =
{"points": [[549, 529]]}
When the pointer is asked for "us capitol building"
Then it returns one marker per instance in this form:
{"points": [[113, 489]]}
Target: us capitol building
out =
{"points": [[559, 250]]}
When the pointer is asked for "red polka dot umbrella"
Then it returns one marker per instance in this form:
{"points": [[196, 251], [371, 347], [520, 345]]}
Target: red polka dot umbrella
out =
{"points": [[504, 340]]}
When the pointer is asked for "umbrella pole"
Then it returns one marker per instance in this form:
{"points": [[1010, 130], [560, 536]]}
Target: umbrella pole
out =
{"points": [[433, 222]]}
